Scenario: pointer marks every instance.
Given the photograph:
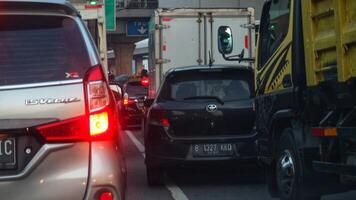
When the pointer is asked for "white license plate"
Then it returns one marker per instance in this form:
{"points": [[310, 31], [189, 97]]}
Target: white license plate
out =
{"points": [[7, 153], [212, 150]]}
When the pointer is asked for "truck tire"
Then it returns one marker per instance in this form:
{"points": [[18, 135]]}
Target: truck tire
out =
{"points": [[154, 175], [289, 170]]}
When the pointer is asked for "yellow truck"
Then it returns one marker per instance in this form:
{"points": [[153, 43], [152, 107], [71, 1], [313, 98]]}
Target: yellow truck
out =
{"points": [[305, 76]]}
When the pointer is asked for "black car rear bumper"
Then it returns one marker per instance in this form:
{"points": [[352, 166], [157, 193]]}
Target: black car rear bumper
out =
{"points": [[163, 150]]}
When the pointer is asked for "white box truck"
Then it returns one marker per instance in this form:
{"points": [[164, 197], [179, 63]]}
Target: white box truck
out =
{"points": [[94, 18], [186, 37]]}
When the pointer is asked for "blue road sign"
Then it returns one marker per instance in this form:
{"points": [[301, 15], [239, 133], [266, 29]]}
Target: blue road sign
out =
{"points": [[137, 28]]}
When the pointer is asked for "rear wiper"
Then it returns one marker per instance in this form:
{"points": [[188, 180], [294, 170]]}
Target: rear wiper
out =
{"points": [[206, 97]]}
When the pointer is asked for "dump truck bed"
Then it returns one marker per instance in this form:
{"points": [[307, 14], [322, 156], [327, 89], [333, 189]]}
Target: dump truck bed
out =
{"points": [[329, 28]]}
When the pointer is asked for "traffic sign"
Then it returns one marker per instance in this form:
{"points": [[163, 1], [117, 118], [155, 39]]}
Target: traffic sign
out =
{"points": [[110, 15], [137, 28]]}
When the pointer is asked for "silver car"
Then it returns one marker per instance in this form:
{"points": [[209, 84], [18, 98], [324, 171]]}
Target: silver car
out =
{"points": [[59, 133]]}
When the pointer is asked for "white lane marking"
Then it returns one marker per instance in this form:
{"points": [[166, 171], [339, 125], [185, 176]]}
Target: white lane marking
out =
{"points": [[136, 142], [176, 192]]}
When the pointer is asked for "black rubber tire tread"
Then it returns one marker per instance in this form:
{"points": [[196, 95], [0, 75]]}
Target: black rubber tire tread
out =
{"points": [[286, 142]]}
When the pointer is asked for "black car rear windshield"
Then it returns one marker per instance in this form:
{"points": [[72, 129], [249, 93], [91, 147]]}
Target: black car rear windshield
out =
{"points": [[37, 49], [136, 89], [224, 85]]}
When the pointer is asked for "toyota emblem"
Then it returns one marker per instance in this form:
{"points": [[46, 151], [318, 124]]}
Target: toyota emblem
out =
{"points": [[211, 108]]}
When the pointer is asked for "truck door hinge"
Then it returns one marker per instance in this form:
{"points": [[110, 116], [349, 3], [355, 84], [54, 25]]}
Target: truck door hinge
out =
{"points": [[162, 26], [162, 61], [249, 26]]}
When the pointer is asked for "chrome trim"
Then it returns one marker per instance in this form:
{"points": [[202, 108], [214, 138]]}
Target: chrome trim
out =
{"points": [[36, 160], [211, 108], [43, 84], [37, 13]]}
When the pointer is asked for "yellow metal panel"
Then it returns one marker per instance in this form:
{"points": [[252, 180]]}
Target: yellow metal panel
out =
{"points": [[329, 39], [347, 38], [267, 72], [308, 42]]}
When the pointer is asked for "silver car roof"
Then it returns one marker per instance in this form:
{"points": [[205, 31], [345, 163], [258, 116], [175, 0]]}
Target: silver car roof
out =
{"points": [[41, 4]]}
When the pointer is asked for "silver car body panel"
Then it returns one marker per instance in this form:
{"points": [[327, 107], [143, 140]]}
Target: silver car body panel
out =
{"points": [[58, 171], [62, 174], [105, 171], [43, 152], [13, 103]]}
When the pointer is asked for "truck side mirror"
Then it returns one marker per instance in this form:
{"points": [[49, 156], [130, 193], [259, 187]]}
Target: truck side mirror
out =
{"points": [[225, 41]]}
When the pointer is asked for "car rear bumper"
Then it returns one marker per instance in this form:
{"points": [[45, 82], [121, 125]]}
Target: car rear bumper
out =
{"points": [[69, 171], [161, 149], [57, 171]]}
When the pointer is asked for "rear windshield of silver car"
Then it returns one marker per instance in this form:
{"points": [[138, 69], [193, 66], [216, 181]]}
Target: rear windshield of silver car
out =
{"points": [[36, 49], [226, 85]]}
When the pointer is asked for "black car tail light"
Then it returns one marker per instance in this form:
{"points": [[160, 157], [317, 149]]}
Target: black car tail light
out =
{"points": [[145, 81], [158, 116]]}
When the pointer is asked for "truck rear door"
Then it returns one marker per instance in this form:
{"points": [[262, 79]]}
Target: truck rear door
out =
{"points": [[182, 40], [188, 35]]}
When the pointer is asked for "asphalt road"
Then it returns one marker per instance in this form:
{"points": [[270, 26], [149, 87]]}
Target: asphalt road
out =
{"points": [[218, 183]]}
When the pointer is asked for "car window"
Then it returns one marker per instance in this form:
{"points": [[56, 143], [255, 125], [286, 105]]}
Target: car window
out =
{"points": [[37, 49], [135, 89], [274, 29], [227, 86]]}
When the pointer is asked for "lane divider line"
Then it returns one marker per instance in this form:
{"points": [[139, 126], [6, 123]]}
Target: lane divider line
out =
{"points": [[175, 191], [137, 143]]}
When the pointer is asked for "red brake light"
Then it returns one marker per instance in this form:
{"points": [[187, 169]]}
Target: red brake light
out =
{"points": [[99, 123], [106, 196], [158, 116], [246, 41], [67, 130], [100, 117], [145, 81], [100, 120], [165, 122], [324, 132], [95, 74], [126, 99]]}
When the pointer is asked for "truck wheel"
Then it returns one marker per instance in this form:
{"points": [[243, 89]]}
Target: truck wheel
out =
{"points": [[154, 175], [289, 170]]}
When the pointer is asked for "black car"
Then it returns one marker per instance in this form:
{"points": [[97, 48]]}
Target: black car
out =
{"points": [[132, 104], [202, 114]]}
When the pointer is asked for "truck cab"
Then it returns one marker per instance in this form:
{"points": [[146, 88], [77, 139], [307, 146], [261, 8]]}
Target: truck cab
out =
{"points": [[305, 97]]}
